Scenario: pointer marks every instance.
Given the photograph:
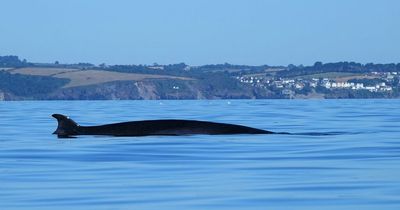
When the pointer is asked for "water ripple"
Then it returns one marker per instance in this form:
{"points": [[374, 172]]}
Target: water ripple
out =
{"points": [[343, 154]]}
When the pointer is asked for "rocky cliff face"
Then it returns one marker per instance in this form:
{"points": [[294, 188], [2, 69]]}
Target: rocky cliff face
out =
{"points": [[77, 84], [106, 91], [2, 96], [6, 96], [152, 90], [122, 90]]}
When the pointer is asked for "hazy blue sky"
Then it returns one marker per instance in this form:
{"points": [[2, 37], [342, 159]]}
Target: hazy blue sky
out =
{"points": [[275, 32]]}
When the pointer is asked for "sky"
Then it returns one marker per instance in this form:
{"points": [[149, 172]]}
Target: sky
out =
{"points": [[198, 32]]}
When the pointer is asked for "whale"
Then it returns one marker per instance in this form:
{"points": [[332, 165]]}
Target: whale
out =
{"points": [[67, 128]]}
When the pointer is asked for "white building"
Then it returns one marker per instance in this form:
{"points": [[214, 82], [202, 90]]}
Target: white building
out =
{"points": [[371, 88], [328, 85], [299, 86]]}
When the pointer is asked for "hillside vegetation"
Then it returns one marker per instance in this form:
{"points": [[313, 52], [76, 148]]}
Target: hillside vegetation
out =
{"points": [[79, 77], [21, 80]]}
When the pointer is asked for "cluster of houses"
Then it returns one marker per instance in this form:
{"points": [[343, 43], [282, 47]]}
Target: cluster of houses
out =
{"points": [[381, 87], [292, 84]]}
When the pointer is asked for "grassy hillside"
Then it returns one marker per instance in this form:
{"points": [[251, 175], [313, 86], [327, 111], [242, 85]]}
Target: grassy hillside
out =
{"points": [[338, 76], [79, 77], [178, 81]]}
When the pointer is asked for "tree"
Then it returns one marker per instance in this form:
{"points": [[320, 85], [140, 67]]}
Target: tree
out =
{"points": [[318, 64], [10, 61]]}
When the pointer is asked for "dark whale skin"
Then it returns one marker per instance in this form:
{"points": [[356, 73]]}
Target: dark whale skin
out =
{"points": [[170, 127]]}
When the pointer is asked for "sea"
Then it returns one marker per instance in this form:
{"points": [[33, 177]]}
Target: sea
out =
{"points": [[340, 154]]}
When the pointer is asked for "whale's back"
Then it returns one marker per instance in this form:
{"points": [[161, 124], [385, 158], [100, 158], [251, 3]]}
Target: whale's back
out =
{"points": [[67, 127]]}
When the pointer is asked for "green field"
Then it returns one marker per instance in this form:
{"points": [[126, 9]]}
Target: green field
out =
{"points": [[79, 77], [337, 76]]}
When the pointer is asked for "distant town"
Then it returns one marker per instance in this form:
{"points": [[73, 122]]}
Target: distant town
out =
{"points": [[288, 86], [24, 80]]}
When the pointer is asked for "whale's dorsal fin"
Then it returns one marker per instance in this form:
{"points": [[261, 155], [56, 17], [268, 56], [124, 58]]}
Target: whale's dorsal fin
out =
{"points": [[66, 126]]}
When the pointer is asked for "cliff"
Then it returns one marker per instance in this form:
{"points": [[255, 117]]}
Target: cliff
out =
{"points": [[75, 84], [21, 80]]}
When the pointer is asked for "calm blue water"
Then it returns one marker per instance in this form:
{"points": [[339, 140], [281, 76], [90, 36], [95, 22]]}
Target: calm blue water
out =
{"points": [[358, 168]]}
